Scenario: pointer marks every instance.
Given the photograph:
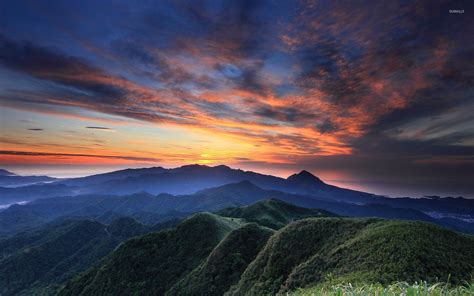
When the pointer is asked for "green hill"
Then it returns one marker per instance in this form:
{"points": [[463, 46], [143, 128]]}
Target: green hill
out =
{"points": [[38, 262], [314, 251], [204, 255], [225, 264], [152, 264], [209, 254], [273, 213]]}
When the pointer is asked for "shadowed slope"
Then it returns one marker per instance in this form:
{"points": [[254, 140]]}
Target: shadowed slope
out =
{"points": [[208, 254], [181, 260], [152, 264], [225, 264], [39, 261]]}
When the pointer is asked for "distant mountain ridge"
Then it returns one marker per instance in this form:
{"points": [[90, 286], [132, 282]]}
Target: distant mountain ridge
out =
{"points": [[150, 209], [9, 179], [192, 178], [302, 183], [187, 190], [6, 173], [115, 175]]}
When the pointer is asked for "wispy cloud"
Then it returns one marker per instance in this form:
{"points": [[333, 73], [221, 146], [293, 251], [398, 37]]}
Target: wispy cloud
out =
{"points": [[101, 128], [34, 154], [286, 82]]}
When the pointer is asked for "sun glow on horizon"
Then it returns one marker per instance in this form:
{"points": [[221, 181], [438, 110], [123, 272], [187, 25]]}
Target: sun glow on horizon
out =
{"points": [[250, 86]]}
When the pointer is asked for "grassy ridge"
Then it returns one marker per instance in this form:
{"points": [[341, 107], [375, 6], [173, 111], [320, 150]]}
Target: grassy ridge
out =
{"points": [[225, 264], [38, 262], [273, 213], [357, 251], [209, 254], [395, 289], [152, 264]]}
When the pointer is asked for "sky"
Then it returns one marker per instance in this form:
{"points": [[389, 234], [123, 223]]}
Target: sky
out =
{"points": [[371, 95]]}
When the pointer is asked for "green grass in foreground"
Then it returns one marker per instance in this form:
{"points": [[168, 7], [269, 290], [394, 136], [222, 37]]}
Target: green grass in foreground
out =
{"points": [[401, 288]]}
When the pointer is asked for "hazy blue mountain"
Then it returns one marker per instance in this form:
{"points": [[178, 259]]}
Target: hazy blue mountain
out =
{"points": [[196, 179], [5, 173], [115, 175], [151, 209], [9, 179], [25, 217], [191, 178], [457, 206], [33, 192], [183, 180]]}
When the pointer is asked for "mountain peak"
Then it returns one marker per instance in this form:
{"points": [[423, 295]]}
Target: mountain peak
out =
{"points": [[200, 166], [242, 186], [304, 176], [6, 173], [222, 167], [245, 184]]}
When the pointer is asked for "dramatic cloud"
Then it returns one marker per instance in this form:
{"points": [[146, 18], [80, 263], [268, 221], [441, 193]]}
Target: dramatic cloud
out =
{"points": [[286, 83]]}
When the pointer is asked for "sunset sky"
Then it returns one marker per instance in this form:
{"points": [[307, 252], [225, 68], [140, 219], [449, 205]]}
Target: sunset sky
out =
{"points": [[372, 95]]}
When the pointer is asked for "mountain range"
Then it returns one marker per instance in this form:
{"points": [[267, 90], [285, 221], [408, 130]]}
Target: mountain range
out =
{"points": [[154, 195], [224, 254], [266, 248], [9, 179], [199, 230], [183, 180], [37, 262]]}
